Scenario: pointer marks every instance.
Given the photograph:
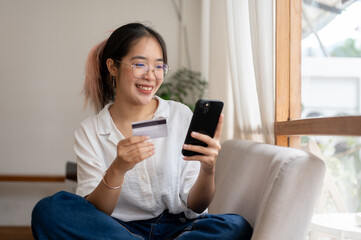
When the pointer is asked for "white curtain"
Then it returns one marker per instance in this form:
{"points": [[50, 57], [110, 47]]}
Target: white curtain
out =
{"points": [[241, 66], [262, 35]]}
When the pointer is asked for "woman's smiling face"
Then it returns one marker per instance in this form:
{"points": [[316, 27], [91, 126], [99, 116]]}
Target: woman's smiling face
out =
{"points": [[139, 91]]}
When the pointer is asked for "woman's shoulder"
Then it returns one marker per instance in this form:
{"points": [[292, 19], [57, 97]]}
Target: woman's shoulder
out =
{"points": [[87, 125], [89, 121], [96, 122], [177, 113], [175, 107]]}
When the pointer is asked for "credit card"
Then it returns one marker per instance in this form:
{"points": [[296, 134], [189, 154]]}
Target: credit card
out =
{"points": [[153, 128]]}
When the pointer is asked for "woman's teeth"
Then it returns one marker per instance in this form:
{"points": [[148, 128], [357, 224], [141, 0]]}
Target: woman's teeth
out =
{"points": [[144, 88]]}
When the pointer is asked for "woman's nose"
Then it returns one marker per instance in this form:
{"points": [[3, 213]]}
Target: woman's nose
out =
{"points": [[150, 74]]}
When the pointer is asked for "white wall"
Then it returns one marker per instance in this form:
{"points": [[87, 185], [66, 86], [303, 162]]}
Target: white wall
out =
{"points": [[44, 45], [331, 86]]}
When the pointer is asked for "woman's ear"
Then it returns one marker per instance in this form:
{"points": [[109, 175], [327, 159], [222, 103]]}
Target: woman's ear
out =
{"points": [[111, 66]]}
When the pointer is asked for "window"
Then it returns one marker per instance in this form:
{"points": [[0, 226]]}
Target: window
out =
{"points": [[316, 94], [288, 122]]}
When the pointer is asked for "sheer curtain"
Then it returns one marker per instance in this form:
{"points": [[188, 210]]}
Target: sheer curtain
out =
{"points": [[241, 65]]}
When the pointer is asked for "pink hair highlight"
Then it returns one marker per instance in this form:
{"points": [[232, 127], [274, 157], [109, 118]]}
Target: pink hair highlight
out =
{"points": [[92, 85]]}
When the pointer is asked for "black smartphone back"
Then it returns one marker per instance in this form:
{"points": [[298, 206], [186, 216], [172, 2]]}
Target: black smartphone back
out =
{"points": [[205, 119]]}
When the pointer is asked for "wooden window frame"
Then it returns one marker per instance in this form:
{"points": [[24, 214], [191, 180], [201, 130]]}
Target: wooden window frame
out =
{"points": [[288, 125]]}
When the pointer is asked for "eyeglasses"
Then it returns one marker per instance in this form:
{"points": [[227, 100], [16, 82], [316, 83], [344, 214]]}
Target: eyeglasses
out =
{"points": [[141, 69]]}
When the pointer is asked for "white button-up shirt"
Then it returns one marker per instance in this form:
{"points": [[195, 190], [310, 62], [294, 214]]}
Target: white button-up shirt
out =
{"points": [[158, 183]]}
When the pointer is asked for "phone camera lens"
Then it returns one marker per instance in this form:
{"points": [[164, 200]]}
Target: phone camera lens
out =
{"points": [[205, 108]]}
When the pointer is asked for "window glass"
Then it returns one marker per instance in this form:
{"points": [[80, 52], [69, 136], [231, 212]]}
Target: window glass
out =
{"points": [[342, 156], [331, 58]]}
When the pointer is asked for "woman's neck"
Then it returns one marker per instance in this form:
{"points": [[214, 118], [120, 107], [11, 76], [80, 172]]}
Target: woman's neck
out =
{"points": [[124, 112]]}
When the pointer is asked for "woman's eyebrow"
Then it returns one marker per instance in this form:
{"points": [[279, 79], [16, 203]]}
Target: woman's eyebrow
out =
{"points": [[144, 58]]}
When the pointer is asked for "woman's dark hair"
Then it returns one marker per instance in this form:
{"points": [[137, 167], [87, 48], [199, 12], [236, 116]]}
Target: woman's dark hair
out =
{"points": [[98, 86]]}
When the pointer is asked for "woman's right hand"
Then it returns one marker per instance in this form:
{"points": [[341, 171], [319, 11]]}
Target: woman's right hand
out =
{"points": [[131, 151]]}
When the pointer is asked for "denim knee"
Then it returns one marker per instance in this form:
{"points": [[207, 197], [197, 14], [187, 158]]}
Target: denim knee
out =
{"points": [[45, 211], [41, 211], [232, 226], [239, 224]]}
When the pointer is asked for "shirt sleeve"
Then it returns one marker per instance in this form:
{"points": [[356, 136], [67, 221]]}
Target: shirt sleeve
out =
{"points": [[188, 178], [89, 166]]}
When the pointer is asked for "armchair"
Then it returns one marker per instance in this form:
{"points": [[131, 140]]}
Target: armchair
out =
{"points": [[275, 188]]}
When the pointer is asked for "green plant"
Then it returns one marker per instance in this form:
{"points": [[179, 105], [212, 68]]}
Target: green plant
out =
{"points": [[347, 49], [185, 86]]}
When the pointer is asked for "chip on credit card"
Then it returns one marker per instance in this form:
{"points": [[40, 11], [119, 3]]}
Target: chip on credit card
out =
{"points": [[155, 128]]}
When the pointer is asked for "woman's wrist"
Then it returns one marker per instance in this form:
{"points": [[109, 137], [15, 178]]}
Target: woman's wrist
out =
{"points": [[108, 186], [115, 169], [208, 170], [113, 178]]}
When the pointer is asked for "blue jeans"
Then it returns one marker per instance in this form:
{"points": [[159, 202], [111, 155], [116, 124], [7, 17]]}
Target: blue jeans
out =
{"points": [[68, 216]]}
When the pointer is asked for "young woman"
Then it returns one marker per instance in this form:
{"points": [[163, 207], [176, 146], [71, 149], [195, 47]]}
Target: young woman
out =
{"points": [[133, 187]]}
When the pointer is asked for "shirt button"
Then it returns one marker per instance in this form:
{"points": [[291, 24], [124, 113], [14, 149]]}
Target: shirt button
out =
{"points": [[143, 177]]}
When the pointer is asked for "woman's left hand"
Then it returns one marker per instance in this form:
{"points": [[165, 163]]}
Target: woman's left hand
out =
{"points": [[210, 153]]}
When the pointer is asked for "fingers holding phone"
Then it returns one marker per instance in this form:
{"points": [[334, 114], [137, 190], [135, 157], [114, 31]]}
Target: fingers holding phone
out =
{"points": [[211, 143], [202, 142], [205, 120], [206, 154]]}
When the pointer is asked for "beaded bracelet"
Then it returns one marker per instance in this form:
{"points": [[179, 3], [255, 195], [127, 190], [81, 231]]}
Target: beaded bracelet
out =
{"points": [[113, 188]]}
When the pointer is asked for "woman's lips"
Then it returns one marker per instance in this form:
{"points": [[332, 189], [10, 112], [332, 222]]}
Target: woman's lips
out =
{"points": [[144, 88]]}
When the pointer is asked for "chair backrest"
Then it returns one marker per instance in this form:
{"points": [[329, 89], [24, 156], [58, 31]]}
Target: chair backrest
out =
{"points": [[71, 171], [274, 188]]}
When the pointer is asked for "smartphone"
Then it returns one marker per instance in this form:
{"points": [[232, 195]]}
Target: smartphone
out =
{"points": [[205, 119]]}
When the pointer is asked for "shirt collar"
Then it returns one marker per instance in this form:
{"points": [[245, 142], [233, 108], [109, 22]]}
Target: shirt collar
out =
{"points": [[162, 109], [104, 120]]}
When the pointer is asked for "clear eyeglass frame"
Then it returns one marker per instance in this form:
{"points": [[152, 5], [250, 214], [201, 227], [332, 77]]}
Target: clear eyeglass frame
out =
{"points": [[141, 69]]}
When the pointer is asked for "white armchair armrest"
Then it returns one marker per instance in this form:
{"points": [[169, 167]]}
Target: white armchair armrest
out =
{"points": [[274, 188]]}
